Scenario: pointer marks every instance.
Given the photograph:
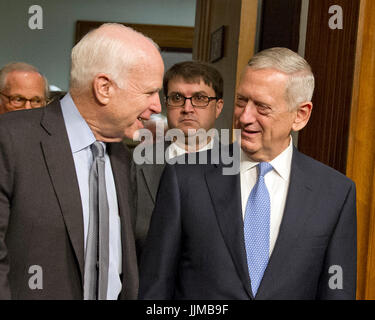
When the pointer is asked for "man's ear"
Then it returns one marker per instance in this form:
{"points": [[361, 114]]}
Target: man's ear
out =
{"points": [[103, 88], [303, 113], [219, 107]]}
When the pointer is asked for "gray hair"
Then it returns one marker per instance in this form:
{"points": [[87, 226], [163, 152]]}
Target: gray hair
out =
{"points": [[20, 66], [97, 53], [300, 85]]}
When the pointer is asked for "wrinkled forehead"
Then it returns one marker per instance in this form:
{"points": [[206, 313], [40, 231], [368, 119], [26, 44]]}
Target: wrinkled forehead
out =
{"points": [[267, 76], [148, 61], [19, 76], [24, 81]]}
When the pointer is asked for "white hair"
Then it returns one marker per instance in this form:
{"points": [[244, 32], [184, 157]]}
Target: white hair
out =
{"points": [[98, 52], [300, 85], [20, 66]]}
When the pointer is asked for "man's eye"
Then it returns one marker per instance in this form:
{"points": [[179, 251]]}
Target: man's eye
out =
{"points": [[18, 99], [153, 92], [263, 109], [241, 102], [199, 97], [176, 97]]}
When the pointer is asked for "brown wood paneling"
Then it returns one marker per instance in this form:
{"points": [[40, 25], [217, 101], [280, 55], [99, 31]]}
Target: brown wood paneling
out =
{"points": [[248, 30], [280, 24], [331, 54], [361, 155], [202, 30], [239, 20], [173, 37]]}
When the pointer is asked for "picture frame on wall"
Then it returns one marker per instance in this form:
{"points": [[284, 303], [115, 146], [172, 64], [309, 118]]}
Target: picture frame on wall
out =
{"points": [[217, 44]]}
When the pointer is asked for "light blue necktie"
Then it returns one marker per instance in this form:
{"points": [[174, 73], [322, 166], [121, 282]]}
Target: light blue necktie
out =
{"points": [[257, 228]]}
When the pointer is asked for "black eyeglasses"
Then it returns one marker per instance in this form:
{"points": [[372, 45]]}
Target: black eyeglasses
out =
{"points": [[20, 101], [197, 101]]}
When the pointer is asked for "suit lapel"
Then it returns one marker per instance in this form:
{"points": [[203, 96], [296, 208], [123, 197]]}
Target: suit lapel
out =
{"points": [[298, 206], [152, 171], [59, 161], [152, 174], [229, 215]]}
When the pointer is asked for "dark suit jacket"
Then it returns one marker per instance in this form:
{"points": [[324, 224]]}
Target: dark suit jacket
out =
{"points": [[146, 178], [195, 247], [41, 219]]}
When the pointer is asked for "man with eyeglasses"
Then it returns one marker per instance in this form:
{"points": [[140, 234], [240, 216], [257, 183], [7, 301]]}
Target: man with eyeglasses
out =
{"points": [[194, 100], [22, 87]]}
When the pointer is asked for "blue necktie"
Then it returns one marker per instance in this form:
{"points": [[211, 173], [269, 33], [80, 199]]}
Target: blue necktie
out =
{"points": [[257, 228]]}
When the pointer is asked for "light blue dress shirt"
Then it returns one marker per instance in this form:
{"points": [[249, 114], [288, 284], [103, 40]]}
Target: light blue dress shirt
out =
{"points": [[80, 139]]}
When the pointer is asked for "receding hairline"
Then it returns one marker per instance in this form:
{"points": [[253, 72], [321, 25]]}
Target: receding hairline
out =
{"points": [[135, 46], [271, 69], [20, 67], [25, 71], [121, 32], [290, 78], [298, 71], [282, 60], [277, 69]]}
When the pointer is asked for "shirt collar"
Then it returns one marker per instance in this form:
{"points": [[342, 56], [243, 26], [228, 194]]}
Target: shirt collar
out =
{"points": [[175, 150], [281, 164], [79, 133]]}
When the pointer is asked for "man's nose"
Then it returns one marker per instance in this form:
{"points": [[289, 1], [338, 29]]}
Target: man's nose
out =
{"points": [[188, 107], [28, 105], [156, 105], [248, 114]]}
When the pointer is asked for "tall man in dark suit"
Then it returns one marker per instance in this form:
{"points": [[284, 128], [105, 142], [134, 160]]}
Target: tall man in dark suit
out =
{"points": [[283, 228], [47, 156], [193, 92]]}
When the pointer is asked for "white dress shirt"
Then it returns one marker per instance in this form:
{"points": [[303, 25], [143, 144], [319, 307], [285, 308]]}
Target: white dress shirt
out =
{"points": [[80, 139], [277, 182], [174, 150]]}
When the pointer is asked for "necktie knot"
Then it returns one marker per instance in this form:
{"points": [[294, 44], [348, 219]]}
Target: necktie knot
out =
{"points": [[97, 149], [264, 168]]}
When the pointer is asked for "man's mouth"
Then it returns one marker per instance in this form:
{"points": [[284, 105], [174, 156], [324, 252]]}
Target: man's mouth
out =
{"points": [[250, 132], [141, 121], [187, 119]]}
